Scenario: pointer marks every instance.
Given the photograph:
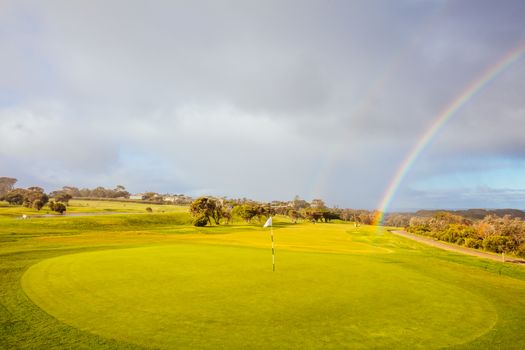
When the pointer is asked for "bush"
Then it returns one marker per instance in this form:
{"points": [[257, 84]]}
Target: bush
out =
{"points": [[37, 204], [149, 210], [457, 233], [460, 241], [58, 207], [472, 243], [200, 221], [521, 251], [419, 230], [497, 244]]}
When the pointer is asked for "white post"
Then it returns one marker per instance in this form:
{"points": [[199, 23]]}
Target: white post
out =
{"points": [[269, 222], [273, 248]]}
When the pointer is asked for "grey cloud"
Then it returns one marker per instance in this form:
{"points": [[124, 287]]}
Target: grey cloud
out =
{"points": [[263, 99]]}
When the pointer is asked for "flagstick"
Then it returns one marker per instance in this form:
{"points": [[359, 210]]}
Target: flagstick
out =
{"points": [[269, 222], [273, 248]]}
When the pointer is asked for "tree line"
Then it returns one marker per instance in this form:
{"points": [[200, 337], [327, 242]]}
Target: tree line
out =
{"points": [[207, 210], [492, 233], [98, 192], [32, 197]]}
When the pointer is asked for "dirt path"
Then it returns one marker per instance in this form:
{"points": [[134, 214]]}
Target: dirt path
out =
{"points": [[459, 249]]}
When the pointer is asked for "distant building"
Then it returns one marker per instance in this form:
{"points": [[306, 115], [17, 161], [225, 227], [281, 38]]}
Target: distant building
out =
{"points": [[137, 197]]}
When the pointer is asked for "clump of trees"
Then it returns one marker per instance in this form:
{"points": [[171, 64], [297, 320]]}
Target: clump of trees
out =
{"points": [[32, 197], [250, 210], [300, 209], [221, 210], [61, 196], [494, 234], [397, 220], [98, 192]]}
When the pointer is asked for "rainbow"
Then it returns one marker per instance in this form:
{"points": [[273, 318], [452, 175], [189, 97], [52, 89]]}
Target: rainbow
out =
{"points": [[364, 105], [446, 114]]}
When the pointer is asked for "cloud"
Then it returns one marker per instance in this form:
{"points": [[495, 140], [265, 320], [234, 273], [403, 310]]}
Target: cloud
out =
{"points": [[246, 98], [45, 134], [463, 198]]}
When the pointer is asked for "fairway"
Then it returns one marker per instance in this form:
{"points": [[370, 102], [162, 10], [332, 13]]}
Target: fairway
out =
{"points": [[209, 296], [137, 281]]}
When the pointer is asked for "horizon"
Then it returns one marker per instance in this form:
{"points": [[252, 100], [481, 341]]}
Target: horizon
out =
{"points": [[330, 205]]}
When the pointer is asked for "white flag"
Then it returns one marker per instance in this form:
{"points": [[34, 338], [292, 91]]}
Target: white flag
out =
{"points": [[268, 222]]}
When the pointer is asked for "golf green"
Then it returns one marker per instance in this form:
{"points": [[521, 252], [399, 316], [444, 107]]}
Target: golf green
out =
{"points": [[212, 296]]}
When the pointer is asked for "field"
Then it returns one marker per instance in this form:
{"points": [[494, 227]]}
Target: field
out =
{"points": [[136, 280]]}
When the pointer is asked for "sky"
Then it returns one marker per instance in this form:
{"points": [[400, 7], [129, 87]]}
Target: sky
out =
{"points": [[265, 99]]}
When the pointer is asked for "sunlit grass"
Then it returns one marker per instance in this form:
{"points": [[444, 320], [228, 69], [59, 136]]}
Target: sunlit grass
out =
{"points": [[77, 206], [153, 280]]}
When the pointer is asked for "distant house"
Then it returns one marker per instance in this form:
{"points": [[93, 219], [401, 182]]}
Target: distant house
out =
{"points": [[137, 197], [178, 199]]}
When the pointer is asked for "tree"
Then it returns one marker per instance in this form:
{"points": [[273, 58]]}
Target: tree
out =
{"points": [[246, 211], [99, 192], [120, 192], [263, 211], [61, 196], [150, 196], [85, 192], [16, 196], [312, 214], [58, 207], [225, 208], [299, 203], [203, 209], [365, 217], [318, 204], [227, 215], [6, 184], [33, 194], [38, 204], [330, 215], [72, 191], [294, 215]]}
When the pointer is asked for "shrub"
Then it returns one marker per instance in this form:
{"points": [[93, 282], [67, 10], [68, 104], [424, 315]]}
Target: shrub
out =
{"points": [[149, 210], [497, 244], [38, 204], [58, 207], [521, 251], [200, 221], [472, 243]]}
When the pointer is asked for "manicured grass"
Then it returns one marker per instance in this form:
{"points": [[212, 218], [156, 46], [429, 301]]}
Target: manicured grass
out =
{"points": [[77, 206], [212, 297], [127, 281]]}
